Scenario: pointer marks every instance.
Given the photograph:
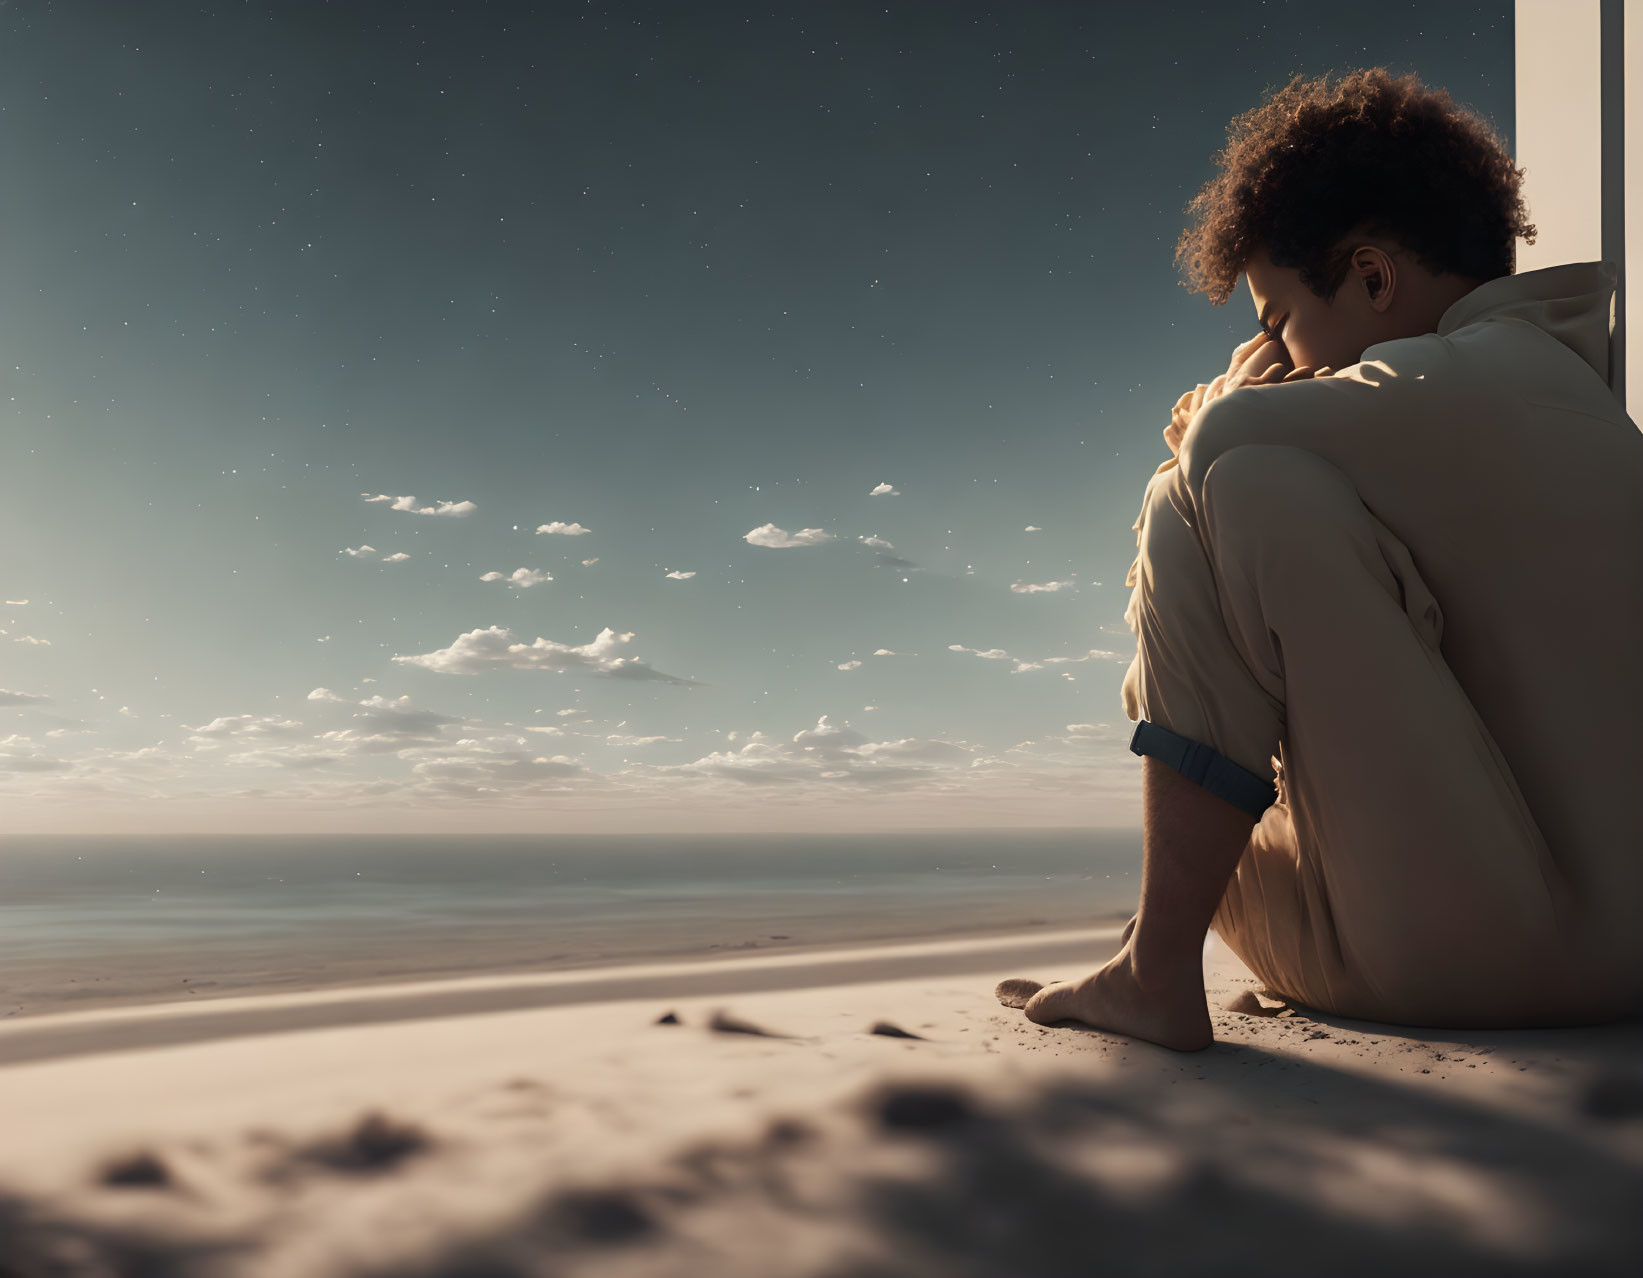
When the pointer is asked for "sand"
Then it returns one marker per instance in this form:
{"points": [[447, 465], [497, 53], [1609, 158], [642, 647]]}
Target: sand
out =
{"points": [[741, 1117]]}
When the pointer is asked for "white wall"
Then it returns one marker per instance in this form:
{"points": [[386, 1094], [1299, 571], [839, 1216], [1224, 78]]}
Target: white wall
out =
{"points": [[1584, 196], [1563, 113], [1559, 130]]}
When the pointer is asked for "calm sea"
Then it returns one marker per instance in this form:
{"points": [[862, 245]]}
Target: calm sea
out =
{"points": [[69, 897]]}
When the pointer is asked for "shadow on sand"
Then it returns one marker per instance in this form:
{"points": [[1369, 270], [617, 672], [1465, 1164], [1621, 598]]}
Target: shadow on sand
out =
{"points": [[1235, 1161]]}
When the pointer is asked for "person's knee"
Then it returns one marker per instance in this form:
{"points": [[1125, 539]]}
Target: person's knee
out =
{"points": [[1272, 494], [1167, 525]]}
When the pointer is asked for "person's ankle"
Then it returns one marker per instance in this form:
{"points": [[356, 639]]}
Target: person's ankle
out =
{"points": [[1166, 973]]}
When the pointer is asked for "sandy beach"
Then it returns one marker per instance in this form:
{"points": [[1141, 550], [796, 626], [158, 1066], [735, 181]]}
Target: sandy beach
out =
{"points": [[864, 1112]]}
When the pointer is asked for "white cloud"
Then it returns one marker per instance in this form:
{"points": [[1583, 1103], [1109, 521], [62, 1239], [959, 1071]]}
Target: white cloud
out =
{"points": [[494, 648], [413, 762], [400, 717], [588, 563], [1093, 654], [31, 639], [888, 652], [622, 739], [384, 726], [779, 539], [1033, 588], [245, 727], [827, 756], [521, 577], [997, 654], [912, 748], [570, 710], [324, 694], [884, 555], [850, 665], [16, 603], [568, 530], [408, 504], [11, 761], [21, 698], [827, 736], [481, 770], [884, 490], [682, 576], [992, 654], [296, 758], [1022, 666], [1032, 528], [367, 552]]}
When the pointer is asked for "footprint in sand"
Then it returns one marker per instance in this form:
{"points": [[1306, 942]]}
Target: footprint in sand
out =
{"points": [[373, 1144], [139, 1168], [890, 1030], [1246, 1003], [724, 1023]]}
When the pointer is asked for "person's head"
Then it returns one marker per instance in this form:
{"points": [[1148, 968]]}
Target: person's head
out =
{"points": [[1359, 209]]}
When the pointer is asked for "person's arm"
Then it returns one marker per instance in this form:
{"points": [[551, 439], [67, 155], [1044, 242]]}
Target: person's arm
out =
{"points": [[1367, 419]]}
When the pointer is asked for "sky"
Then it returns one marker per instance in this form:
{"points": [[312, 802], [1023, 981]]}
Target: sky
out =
{"points": [[608, 417]]}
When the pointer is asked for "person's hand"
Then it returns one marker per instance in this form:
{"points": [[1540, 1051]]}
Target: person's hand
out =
{"points": [[1261, 361]]}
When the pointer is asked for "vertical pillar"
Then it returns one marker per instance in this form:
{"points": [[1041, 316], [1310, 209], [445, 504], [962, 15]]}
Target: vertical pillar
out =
{"points": [[1559, 130], [1629, 307], [1578, 136], [1612, 91]]}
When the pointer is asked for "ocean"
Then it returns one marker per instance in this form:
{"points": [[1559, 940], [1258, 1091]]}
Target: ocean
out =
{"points": [[117, 918]]}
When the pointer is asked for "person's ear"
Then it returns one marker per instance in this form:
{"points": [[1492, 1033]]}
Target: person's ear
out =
{"points": [[1375, 268]]}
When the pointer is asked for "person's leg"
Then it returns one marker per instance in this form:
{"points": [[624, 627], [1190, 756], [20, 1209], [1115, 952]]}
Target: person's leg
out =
{"points": [[1403, 878], [1409, 881], [1192, 687], [1154, 987]]}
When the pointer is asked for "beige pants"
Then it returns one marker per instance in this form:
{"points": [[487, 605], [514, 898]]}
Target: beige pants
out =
{"points": [[1399, 875]]}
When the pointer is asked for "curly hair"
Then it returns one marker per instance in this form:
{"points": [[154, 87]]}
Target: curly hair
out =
{"points": [[1368, 152]]}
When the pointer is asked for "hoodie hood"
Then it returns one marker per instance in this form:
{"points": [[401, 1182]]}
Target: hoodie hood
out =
{"points": [[1571, 302]]}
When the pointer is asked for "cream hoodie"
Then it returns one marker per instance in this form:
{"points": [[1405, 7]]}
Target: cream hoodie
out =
{"points": [[1494, 449]]}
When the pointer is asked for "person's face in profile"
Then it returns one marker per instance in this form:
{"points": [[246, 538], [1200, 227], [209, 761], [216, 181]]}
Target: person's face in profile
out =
{"points": [[1314, 332]]}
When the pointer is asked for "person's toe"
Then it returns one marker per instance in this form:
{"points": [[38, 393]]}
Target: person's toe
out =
{"points": [[1052, 1003]]}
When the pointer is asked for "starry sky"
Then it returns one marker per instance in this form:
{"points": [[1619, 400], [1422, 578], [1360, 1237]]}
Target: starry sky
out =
{"points": [[606, 417]]}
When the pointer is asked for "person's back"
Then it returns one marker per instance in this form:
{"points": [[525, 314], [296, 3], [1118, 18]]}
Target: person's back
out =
{"points": [[1496, 452], [1540, 573]]}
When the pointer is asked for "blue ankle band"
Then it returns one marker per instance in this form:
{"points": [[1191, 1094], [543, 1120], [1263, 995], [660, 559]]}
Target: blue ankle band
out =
{"points": [[1198, 763]]}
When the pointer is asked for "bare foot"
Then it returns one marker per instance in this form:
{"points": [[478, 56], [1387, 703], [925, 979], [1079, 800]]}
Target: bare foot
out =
{"points": [[1174, 1016], [1016, 990]]}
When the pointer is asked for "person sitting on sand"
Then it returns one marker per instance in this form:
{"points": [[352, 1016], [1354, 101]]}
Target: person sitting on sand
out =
{"points": [[1388, 605]]}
